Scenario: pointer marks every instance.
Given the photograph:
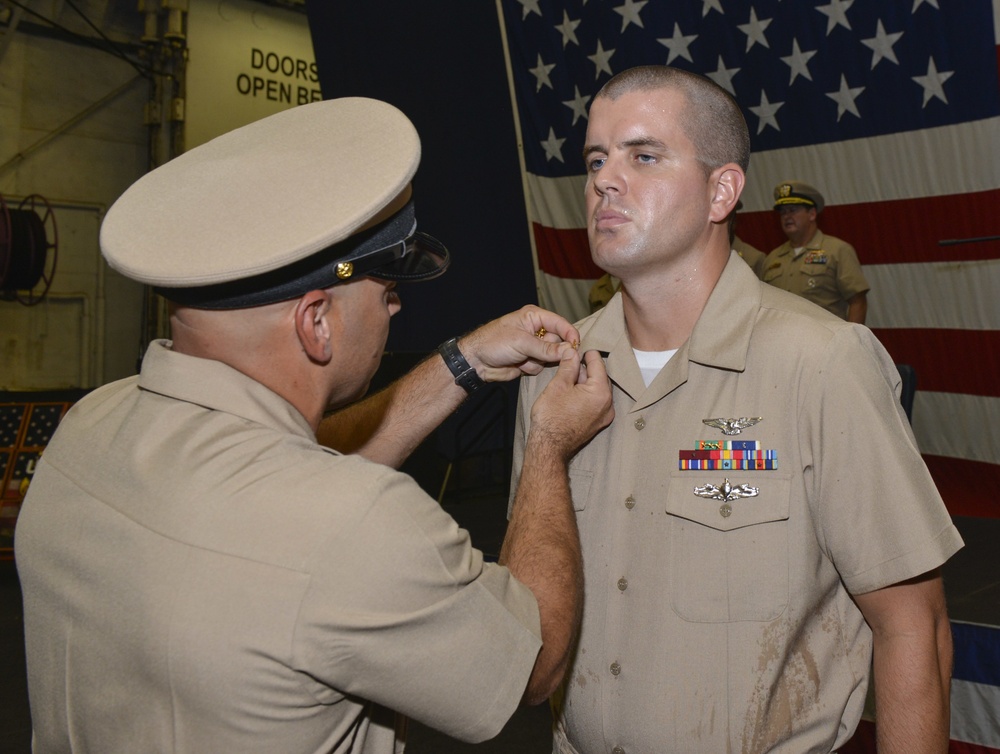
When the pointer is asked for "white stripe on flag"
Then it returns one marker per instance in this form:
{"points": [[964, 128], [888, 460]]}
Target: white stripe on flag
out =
{"points": [[947, 295], [975, 713], [904, 165], [956, 425], [566, 294], [557, 202]]}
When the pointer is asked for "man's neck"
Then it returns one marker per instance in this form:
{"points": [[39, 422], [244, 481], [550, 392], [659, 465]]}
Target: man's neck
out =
{"points": [[662, 308], [802, 240]]}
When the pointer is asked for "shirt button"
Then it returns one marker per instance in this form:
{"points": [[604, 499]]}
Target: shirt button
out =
{"points": [[618, 750], [615, 668], [640, 423], [726, 510], [622, 584], [630, 502]]}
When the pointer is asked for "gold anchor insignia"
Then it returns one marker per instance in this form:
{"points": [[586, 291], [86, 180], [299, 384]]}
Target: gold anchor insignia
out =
{"points": [[732, 426]]}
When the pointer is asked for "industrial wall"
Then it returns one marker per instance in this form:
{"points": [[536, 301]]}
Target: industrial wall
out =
{"points": [[89, 102]]}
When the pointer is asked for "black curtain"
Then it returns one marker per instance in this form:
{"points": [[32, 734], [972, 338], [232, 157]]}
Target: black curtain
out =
{"points": [[442, 64]]}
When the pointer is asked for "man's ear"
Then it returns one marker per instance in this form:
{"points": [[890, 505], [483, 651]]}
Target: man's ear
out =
{"points": [[728, 184], [312, 325]]}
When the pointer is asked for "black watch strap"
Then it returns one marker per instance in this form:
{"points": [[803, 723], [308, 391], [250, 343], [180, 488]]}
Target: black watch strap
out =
{"points": [[465, 375]]}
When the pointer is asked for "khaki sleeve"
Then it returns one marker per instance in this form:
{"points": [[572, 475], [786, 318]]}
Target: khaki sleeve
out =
{"points": [[881, 519]]}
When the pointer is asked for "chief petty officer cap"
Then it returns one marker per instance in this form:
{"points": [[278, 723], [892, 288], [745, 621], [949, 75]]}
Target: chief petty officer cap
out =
{"points": [[310, 197], [796, 192]]}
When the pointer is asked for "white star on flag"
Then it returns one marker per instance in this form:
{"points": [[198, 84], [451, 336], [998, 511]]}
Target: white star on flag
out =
{"points": [[578, 105], [530, 6], [798, 61], [553, 146], [568, 30], [541, 74], [836, 13], [765, 112], [602, 59], [708, 5], [724, 76], [630, 12], [845, 97], [678, 44], [933, 83], [755, 30], [881, 45]]}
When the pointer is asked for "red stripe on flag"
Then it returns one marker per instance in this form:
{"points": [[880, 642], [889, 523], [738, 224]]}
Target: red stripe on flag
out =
{"points": [[961, 747], [863, 742], [949, 361], [903, 230], [564, 253], [968, 487], [909, 228]]}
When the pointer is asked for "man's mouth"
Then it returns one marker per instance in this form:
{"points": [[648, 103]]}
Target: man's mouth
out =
{"points": [[606, 219]]}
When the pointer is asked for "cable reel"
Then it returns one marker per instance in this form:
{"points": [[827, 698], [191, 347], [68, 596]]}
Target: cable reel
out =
{"points": [[25, 262]]}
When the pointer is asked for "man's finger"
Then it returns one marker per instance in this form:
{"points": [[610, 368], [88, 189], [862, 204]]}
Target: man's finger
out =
{"points": [[549, 323], [569, 364], [596, 371]]}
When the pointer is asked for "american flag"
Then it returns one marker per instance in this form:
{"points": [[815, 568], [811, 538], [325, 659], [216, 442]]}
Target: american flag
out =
{"points": [[890, 107]]}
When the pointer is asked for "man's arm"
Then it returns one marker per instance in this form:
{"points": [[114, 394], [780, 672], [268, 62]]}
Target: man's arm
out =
{"points": [[857, 308], [388, 426], [542, 544], [912, 663]]}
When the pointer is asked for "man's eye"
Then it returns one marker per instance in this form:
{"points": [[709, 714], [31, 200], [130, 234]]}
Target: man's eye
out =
{"points": [[595, 163], [645, 158]]}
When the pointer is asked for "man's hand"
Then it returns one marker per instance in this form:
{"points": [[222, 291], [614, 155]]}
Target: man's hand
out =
{"points": [[521, 342], [387, 426], [573, 407]]}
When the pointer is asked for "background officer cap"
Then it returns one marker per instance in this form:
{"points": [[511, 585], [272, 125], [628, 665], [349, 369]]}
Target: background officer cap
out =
{"points": [[300, 200], [796, 192]]}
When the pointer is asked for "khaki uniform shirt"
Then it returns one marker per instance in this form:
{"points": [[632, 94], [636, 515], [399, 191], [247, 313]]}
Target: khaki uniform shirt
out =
{"points": [[751, 255], [714, 625], [827, 272], [200, 576]]}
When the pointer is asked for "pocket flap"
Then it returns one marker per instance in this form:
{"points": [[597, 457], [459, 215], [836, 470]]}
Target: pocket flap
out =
{"points": [[769, 504]]}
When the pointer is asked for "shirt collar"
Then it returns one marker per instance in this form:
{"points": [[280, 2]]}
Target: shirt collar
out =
{"points": [[214, 385], [720, 339]]}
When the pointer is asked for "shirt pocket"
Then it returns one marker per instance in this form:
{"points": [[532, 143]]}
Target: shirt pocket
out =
{"points": [[818, 276], [772, 273], [728, 560]]}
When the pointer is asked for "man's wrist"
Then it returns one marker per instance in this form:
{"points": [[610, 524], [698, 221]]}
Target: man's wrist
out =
{"points": [[465, 375]]}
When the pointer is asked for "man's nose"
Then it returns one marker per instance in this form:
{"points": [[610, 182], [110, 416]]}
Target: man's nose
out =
{"points": [[609, 178]]}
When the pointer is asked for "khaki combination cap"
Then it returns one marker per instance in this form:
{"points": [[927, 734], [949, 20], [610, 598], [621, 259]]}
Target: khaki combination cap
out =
{"points": [[796, 192], [303, 199]]}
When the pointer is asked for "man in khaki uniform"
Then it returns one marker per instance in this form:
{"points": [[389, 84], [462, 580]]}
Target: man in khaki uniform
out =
{"points": [[820, 268], [200, 575], [753, 256], [757, 517]]}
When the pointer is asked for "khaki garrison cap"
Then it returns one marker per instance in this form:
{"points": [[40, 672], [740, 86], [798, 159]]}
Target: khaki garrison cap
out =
{"points": [[796, 192], [303, 199]]}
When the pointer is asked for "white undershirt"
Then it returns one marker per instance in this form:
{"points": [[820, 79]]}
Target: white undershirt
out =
{"points": [[651, 362]]}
